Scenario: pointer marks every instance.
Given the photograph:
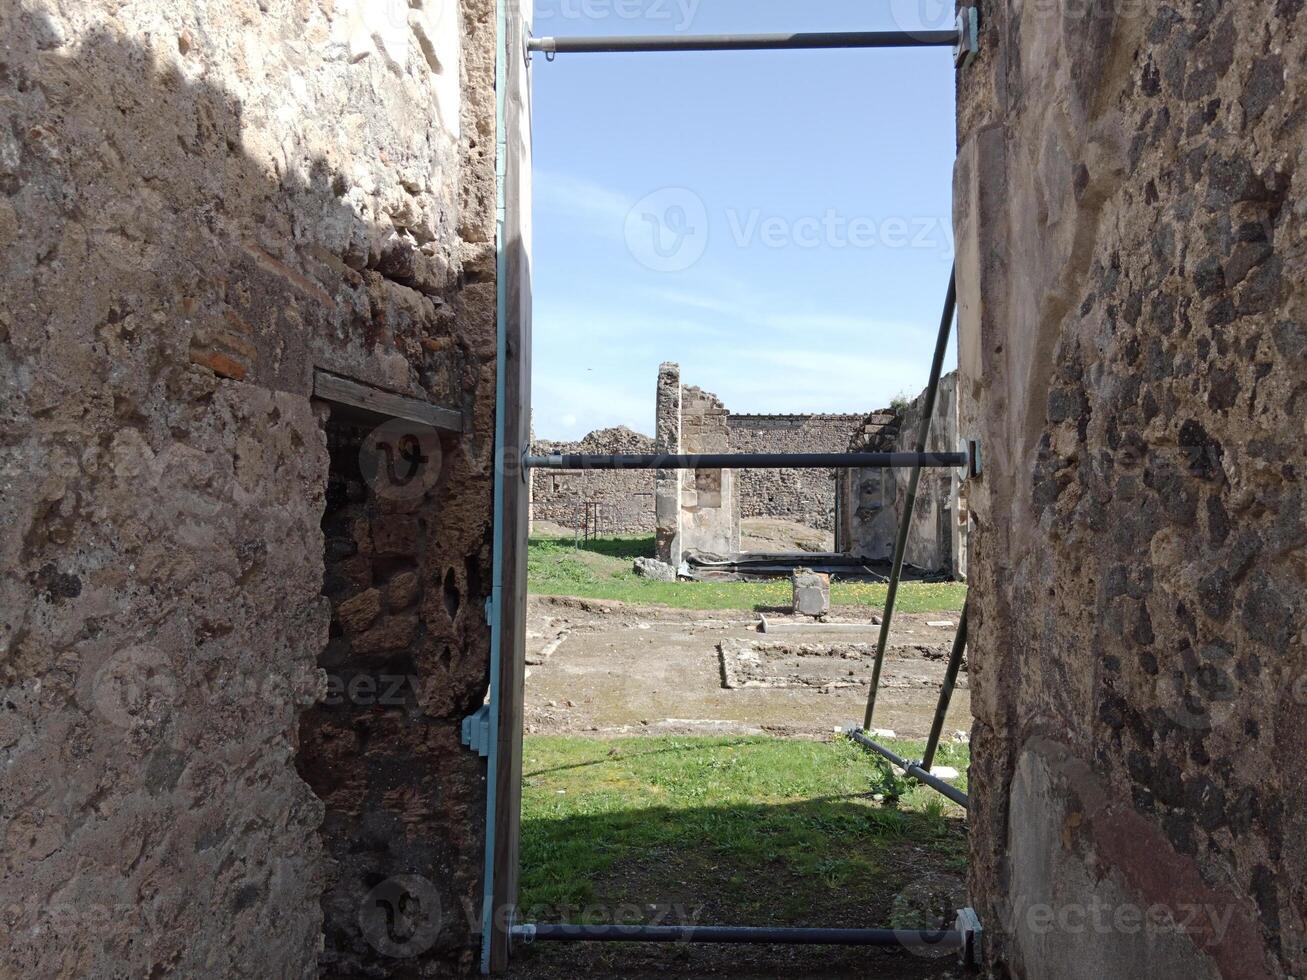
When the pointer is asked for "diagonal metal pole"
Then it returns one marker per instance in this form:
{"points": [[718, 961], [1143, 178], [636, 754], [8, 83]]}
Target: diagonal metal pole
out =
{"points": [[910, 768], [910, 502], [946, 692]]}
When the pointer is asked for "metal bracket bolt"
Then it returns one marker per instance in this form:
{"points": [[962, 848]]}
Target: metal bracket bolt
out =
{"points": [[968, 43], [968, 923], [476, 731]]}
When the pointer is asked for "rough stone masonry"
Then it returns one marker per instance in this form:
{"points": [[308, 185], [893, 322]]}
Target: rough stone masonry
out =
{"points": [[200, 206], [626, 497], [1132, 260]]}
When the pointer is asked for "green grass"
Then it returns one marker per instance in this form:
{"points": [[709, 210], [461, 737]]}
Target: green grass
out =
{"points": [[601, 569], [774, 830]]}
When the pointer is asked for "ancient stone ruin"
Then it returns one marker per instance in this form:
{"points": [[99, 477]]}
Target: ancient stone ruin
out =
{"points": [[606, 501], [265, 373], [701, 512], [1131, 213], [869, 503], [626, 498], [225, 228]]}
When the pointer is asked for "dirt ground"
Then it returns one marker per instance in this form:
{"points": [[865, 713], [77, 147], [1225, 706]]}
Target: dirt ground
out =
{"points": [[607, 668], [764, 535]]}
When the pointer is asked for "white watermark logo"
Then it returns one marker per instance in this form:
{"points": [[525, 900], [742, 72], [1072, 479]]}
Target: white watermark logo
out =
{"points": [[836, 231], [401, 917], [401, 460], [916, 17], [135, 687], [667, 231], [924, 914], [1202, 694]]}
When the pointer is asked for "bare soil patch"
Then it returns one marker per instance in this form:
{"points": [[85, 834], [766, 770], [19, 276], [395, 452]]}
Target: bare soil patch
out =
{"points": [[608, 668]]}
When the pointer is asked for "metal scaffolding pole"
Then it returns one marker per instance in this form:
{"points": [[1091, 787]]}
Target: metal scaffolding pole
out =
{"points": [[910, 501], [753, 461], [745, 42], [911, 768], [946, 692], [902, 938]]}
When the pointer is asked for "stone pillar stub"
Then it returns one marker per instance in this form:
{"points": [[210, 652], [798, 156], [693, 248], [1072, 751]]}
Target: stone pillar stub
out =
{"points": [[667, 483]]}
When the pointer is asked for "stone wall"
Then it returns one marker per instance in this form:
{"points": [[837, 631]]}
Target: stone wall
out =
{"points": [[710, 509], [866, 519], [627, 498], [870, 502], [695, 510], [199, 205], [1132, 254], [803, 496], [621, 501]]}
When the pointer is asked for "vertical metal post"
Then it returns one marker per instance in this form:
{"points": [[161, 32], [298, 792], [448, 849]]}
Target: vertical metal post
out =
{"points": [[495, 610], [910, 502], [946, 692]]}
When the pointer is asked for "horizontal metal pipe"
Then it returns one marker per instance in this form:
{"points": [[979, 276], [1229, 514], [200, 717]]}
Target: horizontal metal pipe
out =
{"points": [[912, 769], [904, 938], [744, 42], [749, 461]]}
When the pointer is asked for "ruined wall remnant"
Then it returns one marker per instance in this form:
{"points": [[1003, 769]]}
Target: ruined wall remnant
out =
{"points": [[803, 496], [624, 499], [695, 510], [667, 483], [870, 502], [710, 509], [627, 498], [1133, 349], [201, 205], [866, 520]]}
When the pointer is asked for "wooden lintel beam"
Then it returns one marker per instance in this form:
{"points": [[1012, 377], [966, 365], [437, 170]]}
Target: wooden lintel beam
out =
{"points": [[377, 404]]}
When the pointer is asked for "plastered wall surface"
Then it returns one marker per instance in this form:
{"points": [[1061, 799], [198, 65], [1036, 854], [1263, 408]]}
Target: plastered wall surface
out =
{"points": [[1131, 250], [710, 506], [201, 203], [870, 502]]}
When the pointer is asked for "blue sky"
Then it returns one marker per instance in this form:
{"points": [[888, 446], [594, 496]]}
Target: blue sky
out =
{"points": [[779, 223]]}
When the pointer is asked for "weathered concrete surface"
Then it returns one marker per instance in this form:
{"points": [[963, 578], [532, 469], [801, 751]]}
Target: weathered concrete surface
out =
{"points": [[1131, 259], [199, 204], [653, 568]]}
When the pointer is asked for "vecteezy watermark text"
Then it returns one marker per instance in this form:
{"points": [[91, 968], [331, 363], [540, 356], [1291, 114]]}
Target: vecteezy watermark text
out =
{"points": [[669, 230], [835, 230], [676, 15]]}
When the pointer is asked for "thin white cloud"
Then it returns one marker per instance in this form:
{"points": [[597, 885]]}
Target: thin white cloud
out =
{"points": [[568, 408], [871, 328], [580, 198], [741, 304]]}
